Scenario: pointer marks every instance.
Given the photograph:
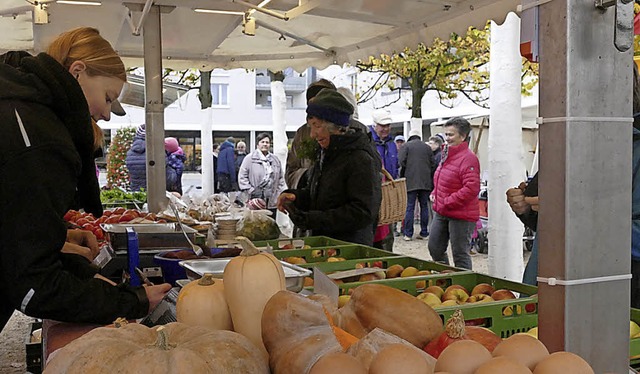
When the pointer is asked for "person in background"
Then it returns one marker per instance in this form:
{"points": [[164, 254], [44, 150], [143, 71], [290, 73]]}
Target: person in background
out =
{"points": [[299, 157], [136, 160], [435, 142], [523, 201], [399, 139], [241, 153], [416, 165], [226, 171], [343, 196], [455, 196], [174, 164], [216, 151], [261, 175], [46, 108], [386, 147]]}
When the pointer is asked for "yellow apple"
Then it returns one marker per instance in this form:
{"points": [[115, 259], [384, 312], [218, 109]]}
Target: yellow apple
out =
{"points": [[634, 329], [436, 290], [480, 298], [533, 332], [482, 288], [394, 271], [342, 300], [409, 271], [449, 303], [456, 294], [430, 299], [502, 295]]}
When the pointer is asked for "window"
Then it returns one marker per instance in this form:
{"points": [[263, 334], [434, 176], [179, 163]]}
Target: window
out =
{"points": [[220, 93]]}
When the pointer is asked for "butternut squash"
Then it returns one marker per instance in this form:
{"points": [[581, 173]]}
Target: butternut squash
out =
{"points": [[202, 303], [376, 305], [296, 333], [249, 282]]}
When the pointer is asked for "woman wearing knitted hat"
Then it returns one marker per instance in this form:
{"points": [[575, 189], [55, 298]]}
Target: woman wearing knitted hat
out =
{"points": [[343, 196], [47, 146]]}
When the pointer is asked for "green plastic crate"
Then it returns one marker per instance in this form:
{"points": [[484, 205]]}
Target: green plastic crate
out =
{"points": [[321, 254], [504, 317], [381, 262], [311, 241]]}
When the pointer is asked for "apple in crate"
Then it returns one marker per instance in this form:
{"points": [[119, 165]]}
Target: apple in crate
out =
{"points": [[436, 290], [429, 299], [480, 298], [457, 294], [483, 288], [503, 294]]}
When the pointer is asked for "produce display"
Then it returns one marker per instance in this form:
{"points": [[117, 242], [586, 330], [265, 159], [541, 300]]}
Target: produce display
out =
{"points": [[87, 221], [411, 317]]}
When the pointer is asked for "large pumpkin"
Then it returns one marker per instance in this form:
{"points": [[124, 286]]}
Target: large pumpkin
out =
{"points": [[202, 303], [173, 348], [249, 282]]}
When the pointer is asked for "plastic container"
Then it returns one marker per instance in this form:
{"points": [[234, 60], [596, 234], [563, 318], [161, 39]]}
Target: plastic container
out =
{"points": [[299, 243], [381, 262], [171, 269], [504, 317], [322, 254]]}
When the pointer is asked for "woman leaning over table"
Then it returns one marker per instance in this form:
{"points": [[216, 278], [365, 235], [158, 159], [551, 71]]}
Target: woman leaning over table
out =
{"points": [[46, 160]]}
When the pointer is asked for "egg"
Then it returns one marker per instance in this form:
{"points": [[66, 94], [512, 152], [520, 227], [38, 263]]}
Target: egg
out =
{"points": [[502, 365], [522, 348], [462, 357], [333, 363], [563, 363], [399, 358]]}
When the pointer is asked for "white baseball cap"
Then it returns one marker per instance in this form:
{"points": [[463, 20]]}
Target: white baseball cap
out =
{"points": [[382, 117]]}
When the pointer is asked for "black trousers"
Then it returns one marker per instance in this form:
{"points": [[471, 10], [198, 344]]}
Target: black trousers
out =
{"points": [[6, 310], [635, 284]]}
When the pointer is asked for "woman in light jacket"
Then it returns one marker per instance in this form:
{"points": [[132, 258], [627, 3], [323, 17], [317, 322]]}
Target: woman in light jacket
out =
{"points": [[261, 174]]}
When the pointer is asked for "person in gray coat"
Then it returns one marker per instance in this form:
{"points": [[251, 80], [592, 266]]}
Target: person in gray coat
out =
{"points": [[417, 165], [261, 174]]}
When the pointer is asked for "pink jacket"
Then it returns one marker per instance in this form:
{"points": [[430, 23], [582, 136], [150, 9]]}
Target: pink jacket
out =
{"points": [[456, 184]]}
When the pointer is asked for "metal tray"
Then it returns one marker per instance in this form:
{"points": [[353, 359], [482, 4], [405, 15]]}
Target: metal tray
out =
{"points": [[150, 235], [293, 274]]}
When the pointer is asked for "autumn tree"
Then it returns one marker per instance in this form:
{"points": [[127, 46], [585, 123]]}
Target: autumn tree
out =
{"points": [[458, 66]]}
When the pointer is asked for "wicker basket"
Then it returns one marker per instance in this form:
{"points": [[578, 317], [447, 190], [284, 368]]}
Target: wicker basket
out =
{"points": [[394, 200]]}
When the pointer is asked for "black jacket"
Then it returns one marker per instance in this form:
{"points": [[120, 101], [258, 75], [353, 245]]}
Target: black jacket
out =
{"points": [[417, 165], [46, 153], [343, 197]]}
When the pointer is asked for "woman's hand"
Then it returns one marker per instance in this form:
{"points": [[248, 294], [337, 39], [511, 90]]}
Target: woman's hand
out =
{"points": [[284, 199], [85, 239], [155, 294], [78, 250]]}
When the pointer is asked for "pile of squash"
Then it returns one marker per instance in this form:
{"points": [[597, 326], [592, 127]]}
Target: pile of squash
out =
{"points": [[248, 322]]}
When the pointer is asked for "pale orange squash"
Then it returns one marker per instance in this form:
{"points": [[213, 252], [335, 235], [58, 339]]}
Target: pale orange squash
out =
{"points": [[376, 305], [249, 282], [202, 303], [296, 333], [172, 348]]}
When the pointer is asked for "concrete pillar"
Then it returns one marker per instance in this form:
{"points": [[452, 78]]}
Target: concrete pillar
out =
{"points": [[505, 164]]}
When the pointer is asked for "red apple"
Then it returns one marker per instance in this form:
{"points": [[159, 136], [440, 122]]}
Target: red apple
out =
{"points": [[456, 286], [503, 295], [483, 288]]}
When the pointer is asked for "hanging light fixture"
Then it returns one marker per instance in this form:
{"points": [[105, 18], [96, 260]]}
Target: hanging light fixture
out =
{"points": [[248, 25]]}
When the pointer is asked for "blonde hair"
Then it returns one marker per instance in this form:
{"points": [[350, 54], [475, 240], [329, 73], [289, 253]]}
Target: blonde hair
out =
{"points": [[85, 44]]}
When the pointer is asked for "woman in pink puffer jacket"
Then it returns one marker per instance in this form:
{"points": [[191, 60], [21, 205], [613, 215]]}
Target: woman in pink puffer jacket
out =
{"points": [[456, 185]]}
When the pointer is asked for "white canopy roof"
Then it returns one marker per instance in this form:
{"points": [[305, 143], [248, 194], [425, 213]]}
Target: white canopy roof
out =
{"points": [[318, 32]]}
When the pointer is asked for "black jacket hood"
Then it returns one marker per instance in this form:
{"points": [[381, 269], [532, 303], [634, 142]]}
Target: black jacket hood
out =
{"points": [[41, 79]]}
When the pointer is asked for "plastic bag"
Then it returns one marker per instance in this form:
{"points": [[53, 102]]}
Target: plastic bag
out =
{"points": [[258, 225]]}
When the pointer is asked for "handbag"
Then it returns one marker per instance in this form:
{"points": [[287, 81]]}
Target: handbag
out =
{"points": [[394, 199]]}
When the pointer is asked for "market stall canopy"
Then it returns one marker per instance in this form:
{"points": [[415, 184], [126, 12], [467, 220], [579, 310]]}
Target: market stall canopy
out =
{"points": [[315, 33]]}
